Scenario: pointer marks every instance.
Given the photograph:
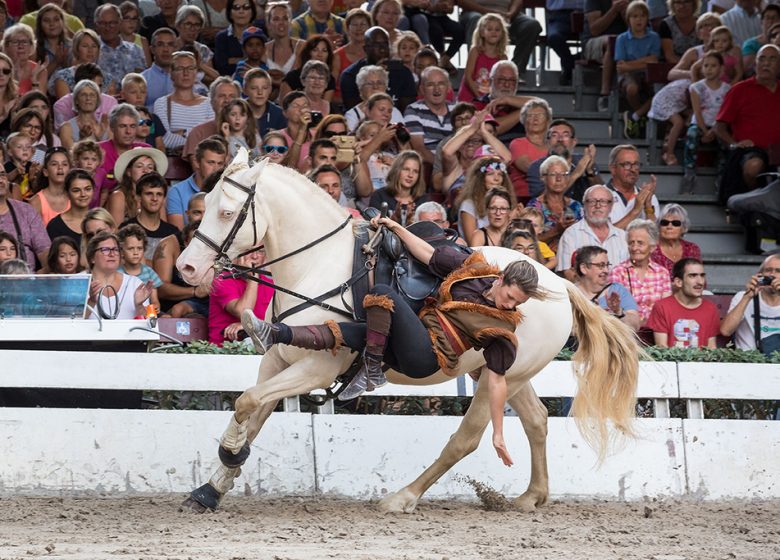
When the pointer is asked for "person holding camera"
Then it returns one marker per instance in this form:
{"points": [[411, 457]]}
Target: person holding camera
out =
{"points": [[754, 313], [298, 133]]}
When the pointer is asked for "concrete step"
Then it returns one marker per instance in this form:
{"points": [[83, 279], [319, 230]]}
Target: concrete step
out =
{"points": [[724, 240], [589, 124], [730, 273]]}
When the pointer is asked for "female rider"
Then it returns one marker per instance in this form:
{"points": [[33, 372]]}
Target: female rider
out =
{"points": [[475, 307]]}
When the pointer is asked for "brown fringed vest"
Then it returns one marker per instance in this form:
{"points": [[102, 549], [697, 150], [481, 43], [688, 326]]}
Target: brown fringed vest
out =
{"points": [[455, 326]]}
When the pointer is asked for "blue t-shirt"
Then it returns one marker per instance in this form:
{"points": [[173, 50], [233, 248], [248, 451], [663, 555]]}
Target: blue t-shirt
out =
{"points": [[628, 47], [179, 196]]}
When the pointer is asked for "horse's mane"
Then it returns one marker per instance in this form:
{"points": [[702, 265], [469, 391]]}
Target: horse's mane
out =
{"points": [[309, 187]]}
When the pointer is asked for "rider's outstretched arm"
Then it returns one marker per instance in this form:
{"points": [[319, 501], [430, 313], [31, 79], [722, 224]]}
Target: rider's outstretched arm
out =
{"points": [[419, 248], [497, 397]]}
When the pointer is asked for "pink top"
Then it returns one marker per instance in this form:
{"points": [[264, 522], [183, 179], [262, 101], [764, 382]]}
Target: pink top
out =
{"points": [[523, 147], [729, 68], [110, 155], [481, 74], [63, 108], [655, 286], [689, 249], [47, 212], [300, 165], [223, 292]]}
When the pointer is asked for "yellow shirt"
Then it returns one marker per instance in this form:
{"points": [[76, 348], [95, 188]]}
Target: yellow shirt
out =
{"points": [[545, 250], [72, 22]]}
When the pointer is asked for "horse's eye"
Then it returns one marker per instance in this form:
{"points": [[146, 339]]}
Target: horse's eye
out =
{"points": [[227, 214]]}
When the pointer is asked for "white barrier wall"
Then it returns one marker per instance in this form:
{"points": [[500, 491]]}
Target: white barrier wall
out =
{"points": [[49, 451]]}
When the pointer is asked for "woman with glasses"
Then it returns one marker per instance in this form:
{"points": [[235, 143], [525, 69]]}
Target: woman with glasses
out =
{"points": [[499, 210], [317, 47], [227, 43], [50, 198], [95, 221], [113, 294], [182, 110], [330, 126], [673, 223], [30, 123], [315, 76], [9, 94], [275, 147], [85, 49], [19, 45], [485, 174], [85, 125], [522, 241], [370, 80], [678, 29], [460, 150], [536, 116], [559, 210], [189, 24]]}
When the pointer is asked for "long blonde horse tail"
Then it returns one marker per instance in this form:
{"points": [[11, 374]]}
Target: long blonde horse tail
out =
{"points": [[606, 365]]}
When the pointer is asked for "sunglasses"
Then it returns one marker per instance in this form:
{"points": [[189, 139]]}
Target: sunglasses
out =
{"points": [[5, 71], [675, 223], [145, 122], [332, 133], [281, 150]]}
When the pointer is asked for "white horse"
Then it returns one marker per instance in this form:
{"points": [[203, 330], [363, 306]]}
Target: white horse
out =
{"points": [[289, 212]]}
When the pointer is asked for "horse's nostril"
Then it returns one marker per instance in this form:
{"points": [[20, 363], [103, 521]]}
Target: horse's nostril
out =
{"points": [[187, 269]]}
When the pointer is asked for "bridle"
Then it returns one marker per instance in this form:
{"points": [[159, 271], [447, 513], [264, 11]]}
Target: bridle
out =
{"points": [[222, 261]]}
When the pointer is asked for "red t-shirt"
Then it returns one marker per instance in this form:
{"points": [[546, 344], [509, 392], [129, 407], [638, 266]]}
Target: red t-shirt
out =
{"points": [[750, 109], [684, 327], [223, 292]]}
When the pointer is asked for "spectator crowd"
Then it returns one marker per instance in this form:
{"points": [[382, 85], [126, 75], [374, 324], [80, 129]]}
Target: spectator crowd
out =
{"points": [[117, 118]]}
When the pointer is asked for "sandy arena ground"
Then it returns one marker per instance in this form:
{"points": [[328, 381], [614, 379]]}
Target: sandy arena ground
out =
{"points": [[311, 528]]}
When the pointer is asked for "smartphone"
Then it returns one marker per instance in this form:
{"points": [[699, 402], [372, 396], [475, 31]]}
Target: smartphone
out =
{"points": [[316, 119]]}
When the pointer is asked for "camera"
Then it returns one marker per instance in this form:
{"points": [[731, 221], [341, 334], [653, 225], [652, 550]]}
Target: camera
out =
{"points": [[401, 133], [766, 280], [316, 119]]}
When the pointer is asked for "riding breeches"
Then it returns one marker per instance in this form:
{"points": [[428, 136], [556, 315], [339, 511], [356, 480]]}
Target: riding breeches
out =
{"points": [[409, 349]]}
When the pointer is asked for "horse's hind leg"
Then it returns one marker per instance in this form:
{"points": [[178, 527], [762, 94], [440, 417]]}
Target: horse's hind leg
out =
{"points": [[463, 441], [533, 415]]}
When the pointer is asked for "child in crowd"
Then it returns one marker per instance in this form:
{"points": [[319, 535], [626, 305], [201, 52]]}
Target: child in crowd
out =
{"points": [[706, 98], [134, 89], [88, 156], [64, 256], [488, 46], [253, 42], [634, 50], [722, 41], [148, 130], [19, 166], [275, 147], [52, 39], [406, 47], [257, 90], [132, 241], [236, 124], [535, 219]]}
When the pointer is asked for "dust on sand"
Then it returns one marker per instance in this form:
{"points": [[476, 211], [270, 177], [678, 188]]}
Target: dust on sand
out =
{"points": [[150, 527]]}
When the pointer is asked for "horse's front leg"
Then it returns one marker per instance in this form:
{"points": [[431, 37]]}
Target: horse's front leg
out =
{"points": [[208, 496], [465, 440], [533, 415]]}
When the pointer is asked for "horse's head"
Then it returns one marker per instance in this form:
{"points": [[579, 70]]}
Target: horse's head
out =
{"points": [[231, 224]]}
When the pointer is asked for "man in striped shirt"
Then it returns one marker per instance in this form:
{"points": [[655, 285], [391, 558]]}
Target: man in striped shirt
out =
{"points": [[428, 120], [743, 20]]}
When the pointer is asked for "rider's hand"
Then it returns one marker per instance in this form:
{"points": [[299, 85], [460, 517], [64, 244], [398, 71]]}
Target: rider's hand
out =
{"points": [[501, 451], [387, 222]]}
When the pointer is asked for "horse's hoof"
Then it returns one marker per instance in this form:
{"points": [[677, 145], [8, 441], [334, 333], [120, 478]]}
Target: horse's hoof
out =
{"points": [[403, 501], [529, 501], [234, 461], [202, 499]]}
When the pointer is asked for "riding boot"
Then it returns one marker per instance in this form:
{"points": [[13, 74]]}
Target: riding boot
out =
{"points": [[379, 318], [313, 337]]}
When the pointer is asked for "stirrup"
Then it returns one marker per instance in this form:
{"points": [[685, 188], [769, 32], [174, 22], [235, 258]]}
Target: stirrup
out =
{"points": [[261, 333], [369, 377]]}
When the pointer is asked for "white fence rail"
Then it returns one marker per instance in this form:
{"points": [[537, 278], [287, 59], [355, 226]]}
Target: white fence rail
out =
{"points": [[120, 451]]}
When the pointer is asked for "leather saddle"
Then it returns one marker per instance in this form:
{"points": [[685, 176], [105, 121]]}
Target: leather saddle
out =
{"points": [[404, 273]]}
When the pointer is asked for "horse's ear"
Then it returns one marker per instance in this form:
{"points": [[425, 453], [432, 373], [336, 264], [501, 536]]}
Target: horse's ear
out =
{"points": [[260, 165], [242, 156]]}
